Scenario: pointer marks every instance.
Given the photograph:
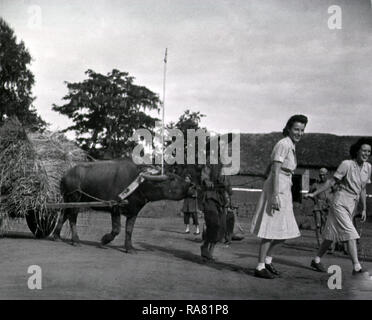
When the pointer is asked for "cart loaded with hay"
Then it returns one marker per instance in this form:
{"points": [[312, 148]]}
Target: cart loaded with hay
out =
{"points": [[31, 167]]}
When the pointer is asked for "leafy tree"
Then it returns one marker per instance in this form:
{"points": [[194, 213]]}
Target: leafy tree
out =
{"points": [[16, 81], [106, 109], [188, 120]]}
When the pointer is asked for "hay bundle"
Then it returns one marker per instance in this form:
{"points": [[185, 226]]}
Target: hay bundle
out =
{"points": [[31, 167]]}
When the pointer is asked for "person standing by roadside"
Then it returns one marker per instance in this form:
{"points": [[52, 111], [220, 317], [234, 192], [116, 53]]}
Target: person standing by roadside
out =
{"points": [[274, 220], [216, 196], [352, 177], [190, 208], [322, 203]]}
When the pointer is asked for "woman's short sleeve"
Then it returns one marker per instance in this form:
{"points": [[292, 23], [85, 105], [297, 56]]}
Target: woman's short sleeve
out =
{"points": [[342, 170], [280, 151], [369, 173]]}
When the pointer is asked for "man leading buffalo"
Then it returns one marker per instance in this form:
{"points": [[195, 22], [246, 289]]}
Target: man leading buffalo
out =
{"points": [[216, 198]]}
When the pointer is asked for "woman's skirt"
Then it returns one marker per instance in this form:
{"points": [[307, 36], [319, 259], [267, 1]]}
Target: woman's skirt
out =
{"points": [[274, 224], [339, 225]]}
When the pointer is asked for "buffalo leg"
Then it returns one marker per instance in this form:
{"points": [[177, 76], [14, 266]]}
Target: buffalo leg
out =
{"points": [[72, 218], [116, 227], [129, 224], [57, 231]]}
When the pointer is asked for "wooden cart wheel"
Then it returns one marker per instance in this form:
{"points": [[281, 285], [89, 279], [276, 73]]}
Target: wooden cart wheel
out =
{"points": [[41, 227]]}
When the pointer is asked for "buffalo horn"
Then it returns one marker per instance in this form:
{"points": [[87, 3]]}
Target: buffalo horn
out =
{"points": [[154, 178]]}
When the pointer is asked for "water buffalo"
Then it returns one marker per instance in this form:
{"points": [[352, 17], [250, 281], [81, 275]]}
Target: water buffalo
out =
{"points": [[106, 180]]}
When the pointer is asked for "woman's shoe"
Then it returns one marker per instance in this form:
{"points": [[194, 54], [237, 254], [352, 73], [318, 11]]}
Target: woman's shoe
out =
{"points": [[358, 273], [272, 269], [263, 273], [318, 266]]}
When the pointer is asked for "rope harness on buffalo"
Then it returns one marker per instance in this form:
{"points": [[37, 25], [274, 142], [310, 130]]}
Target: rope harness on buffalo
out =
{"points": [[148, 173]]}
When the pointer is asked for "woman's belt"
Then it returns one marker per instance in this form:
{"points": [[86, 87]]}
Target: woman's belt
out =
{"points": [[349, 193], [286, 171]]}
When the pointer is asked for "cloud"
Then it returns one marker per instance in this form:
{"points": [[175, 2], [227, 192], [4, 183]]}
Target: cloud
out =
{"points": [[247, 65]]}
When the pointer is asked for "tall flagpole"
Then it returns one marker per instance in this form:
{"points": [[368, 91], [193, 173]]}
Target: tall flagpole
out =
{"points": [[162, 126]]}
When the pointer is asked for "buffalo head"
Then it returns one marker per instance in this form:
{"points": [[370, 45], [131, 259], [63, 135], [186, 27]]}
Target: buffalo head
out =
{"points": [[165, 187]]}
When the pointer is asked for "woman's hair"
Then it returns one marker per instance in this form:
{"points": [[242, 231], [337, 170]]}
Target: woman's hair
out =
{"points": [[296, 118], [357, 145]]}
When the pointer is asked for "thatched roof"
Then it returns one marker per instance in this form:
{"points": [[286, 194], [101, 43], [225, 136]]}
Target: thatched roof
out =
{"points": [[315, 150]]}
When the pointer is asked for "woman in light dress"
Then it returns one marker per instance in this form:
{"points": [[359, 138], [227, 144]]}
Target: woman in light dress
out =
{"points": [[274, 220], [351, 178]]}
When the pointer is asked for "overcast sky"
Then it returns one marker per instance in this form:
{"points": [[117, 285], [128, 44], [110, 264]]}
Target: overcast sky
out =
{"points": [[247, 65]]}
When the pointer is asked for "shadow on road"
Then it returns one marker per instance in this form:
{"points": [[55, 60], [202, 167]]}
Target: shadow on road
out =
{"points": [[189, 256], [173, 231], [95, 244], [19, 235], [277, 261], [310, 236], [194, 240], [300, 247]]}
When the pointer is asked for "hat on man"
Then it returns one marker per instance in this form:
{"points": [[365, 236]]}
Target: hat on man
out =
{"points": [[323, 171]]}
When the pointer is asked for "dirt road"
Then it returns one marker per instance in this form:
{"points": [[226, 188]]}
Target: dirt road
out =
{"points": [[167, 266]]}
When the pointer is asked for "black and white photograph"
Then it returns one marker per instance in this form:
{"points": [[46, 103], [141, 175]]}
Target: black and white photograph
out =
{"points": [[198, 151]]}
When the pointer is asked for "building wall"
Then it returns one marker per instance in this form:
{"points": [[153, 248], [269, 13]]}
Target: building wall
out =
{"points": [[245, 181], [246, 200]]}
